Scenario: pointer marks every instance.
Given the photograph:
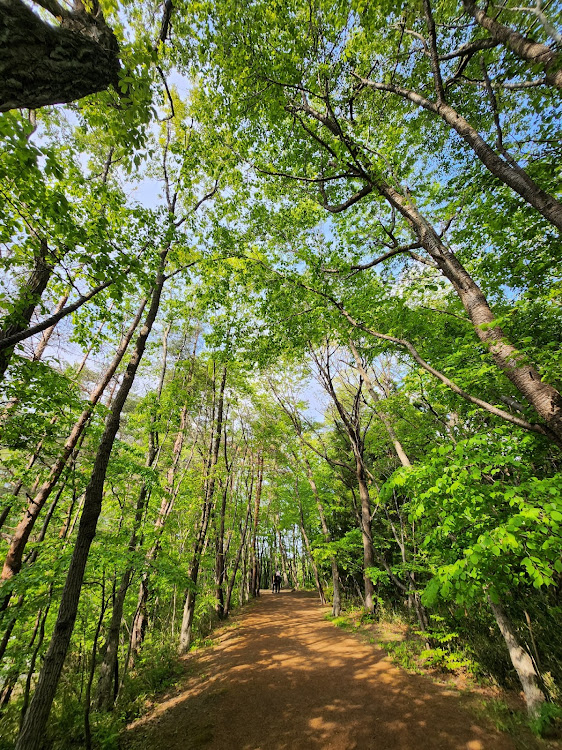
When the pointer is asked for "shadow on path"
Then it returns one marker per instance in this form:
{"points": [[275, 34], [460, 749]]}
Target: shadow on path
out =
{"points": [[285, 679]]}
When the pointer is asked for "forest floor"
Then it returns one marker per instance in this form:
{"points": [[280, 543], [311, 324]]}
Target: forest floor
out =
{"points": [[283, 678]]}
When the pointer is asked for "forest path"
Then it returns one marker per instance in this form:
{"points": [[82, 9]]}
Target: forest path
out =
{"points": [[285, 679]]}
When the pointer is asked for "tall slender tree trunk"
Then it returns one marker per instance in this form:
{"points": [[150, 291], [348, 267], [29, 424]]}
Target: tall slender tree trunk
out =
{"points": [[255, 576], [336, 600], [521, 660], [311, 560], [236, 564], [210, 481], [20, 537], [33, 729], [220, 555], [283, 556], [366, 536]]}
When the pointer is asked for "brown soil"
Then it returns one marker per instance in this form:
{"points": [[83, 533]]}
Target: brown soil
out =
{"points": [[285, 679]]}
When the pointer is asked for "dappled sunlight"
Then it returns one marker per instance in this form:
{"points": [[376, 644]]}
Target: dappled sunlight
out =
{"points": [[288, 680]]}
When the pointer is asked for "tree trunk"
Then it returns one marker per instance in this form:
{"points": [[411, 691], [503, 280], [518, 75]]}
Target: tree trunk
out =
{"points": [[283, 555], [42, 64], [33, 730], [545, 399], [29, 294], [308, 548], [220, 555], [508, 172], [255, 578], [13, 561], [336, 600], [236, 564], [521, 660], [105, 693], [525, 48], [210, 480], [367, 538]]}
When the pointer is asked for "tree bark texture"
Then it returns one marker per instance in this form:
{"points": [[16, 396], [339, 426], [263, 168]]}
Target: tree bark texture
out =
{"points": [[43, 63]]}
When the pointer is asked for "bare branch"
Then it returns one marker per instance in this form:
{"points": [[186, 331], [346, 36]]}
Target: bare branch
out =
{"points": [[355, 198], [52, 320], [385, 256], [470, 48]]}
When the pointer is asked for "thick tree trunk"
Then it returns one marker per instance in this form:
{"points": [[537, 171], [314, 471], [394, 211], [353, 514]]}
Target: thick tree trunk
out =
{"points": [[186, 632], [525, 48], [43, 63], [521, 660], [13, 561], [507, 172], [33, 729], [545, 399]]}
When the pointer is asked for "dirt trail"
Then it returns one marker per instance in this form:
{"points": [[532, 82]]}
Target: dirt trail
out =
{"points": [[285, 679]]}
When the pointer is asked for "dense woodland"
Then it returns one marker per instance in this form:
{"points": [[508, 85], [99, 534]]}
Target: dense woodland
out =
{"points": [[280, 288]]}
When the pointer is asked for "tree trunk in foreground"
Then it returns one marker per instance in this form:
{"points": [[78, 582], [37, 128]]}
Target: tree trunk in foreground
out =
{"points": [[43, 64], [521, 660], [33, 730]]}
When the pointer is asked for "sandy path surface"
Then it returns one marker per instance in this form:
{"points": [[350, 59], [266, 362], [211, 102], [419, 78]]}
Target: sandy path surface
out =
{"points": [[285, 679]]}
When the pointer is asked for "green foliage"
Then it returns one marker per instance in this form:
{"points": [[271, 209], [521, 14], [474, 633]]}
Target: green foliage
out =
{"points": [[223, 145]]}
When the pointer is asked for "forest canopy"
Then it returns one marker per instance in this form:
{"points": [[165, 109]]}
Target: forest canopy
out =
{"points": [[280, 288]]}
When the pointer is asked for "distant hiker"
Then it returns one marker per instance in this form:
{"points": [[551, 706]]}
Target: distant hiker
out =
{"points": [[277, 582]]}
